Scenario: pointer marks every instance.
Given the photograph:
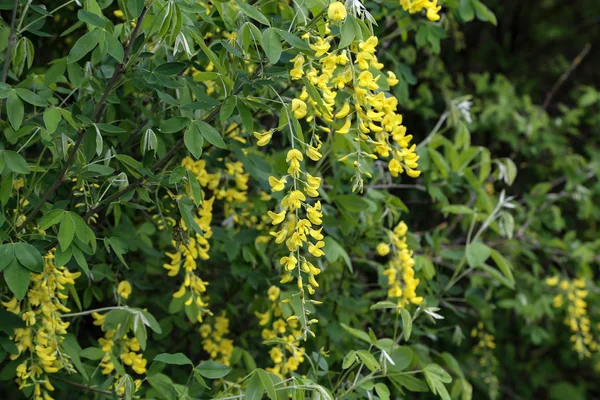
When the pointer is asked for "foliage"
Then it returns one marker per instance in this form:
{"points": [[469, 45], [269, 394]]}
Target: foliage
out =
{"points": [[232, 199]]}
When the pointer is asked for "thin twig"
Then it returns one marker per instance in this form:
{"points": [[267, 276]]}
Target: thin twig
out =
{"points": [[82, 386], [96, 115], [566, 74]]}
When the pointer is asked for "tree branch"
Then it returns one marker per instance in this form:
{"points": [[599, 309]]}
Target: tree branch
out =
{"points": [[82, 386], [563, 78], [96, 114]]}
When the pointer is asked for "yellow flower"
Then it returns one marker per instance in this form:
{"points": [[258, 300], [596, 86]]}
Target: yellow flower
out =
{"points": [[553, 281], [336, 11], [313, 153], [344, 111], [369, 45], [383, 249], [119, 14], [395, 167], [315, 250], [289, 263], [321, 47], [276, 218], [124, 289], [392, 80], [345, 128], [273, 293], [277, 185], [263, 138], [298, 108], [293, 200]]}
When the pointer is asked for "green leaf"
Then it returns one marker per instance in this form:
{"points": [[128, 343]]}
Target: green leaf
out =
{"points": [[29, 257], [352, 202], [173, 359], [135, 7], [170, 68], [356, 333], [91, 18], [15, 162], [195, 188], [252, 12], [213, 370], [210, 134], [15, 110], [503, 265], [52, 218], [267, 383], [7, 254], [10, 322], [477, 253], [271, 43], [457, 209], [410, 382], [17, 279], [92, 353], [333, 250], [52, 118], [349, 359], [294, 40], [31, 98], [402, 357], [174, 124], [66, 232], [255, 389], [193, 140], [84, 45], [348, 32], [369, 360], [484, 13], [382, 391], [406, 323], [115, 48], [466, 11]]}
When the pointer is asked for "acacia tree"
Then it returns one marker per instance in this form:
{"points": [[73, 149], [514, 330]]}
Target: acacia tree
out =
{"points": [[172, 168]]}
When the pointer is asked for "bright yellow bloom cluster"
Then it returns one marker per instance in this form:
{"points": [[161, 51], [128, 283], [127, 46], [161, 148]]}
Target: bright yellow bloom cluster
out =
{"points": [[402, 284], [573, 293], [366, 111], [39, 343], [296, 222], [414, 6], [287, 355], [124, 348], [484, 350], [214, 341], [337, 12]]}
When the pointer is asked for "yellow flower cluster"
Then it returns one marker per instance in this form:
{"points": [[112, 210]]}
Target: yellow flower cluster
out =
{"points": [[286, 354], [214, 342], [126, 348], [573, 293], [354, 76], [39, 343], [402, 284], [484, 351], [414, 6], [296, 222]]}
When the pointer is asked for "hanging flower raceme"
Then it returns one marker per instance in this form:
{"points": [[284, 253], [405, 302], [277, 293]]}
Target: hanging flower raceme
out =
{"points": [[401, 281], [286, 354], [414, 6], [39, 343], [486, 361], [214, 340], [573, 294], [296, 224], [121, 348], [345, 93]]}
